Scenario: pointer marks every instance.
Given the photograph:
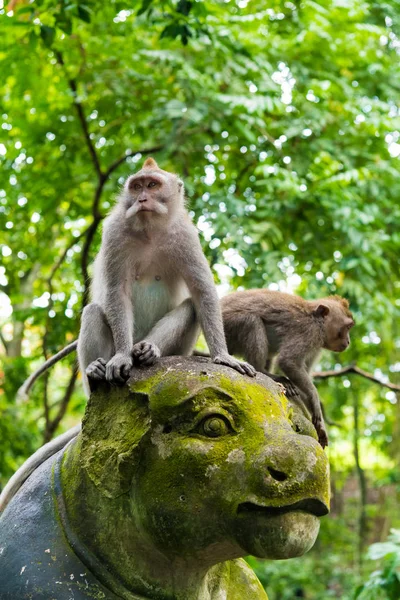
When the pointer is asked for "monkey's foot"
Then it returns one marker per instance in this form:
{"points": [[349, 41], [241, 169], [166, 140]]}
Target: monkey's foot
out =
{"points": [[291, 390], [97, 369], [319, 425], [239, 365], [118, 368], [146, 353]]}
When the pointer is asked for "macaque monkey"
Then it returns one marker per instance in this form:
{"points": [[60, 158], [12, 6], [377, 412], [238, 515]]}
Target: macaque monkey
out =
{"points": [[152, 286], [261, 324]]}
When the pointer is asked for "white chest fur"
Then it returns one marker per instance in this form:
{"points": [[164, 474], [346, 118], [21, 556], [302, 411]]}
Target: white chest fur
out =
{"points": [[151, 301]]}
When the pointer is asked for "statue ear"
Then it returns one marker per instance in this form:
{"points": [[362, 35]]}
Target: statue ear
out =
{"points": [[114, 423], [321, 311]]}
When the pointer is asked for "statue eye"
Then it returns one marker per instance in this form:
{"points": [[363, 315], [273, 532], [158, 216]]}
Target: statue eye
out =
{"points": [[214, 426]]}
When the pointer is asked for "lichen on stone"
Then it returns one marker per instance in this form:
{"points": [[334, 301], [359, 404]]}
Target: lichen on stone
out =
{"points": [[194, 462]]}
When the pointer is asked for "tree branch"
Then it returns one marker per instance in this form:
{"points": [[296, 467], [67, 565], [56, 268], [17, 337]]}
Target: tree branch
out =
{"points": [[81, 115], [52, 425], [3, 341], [50, 278], [122, 159], [339, 373], [90, 233], [356, 370]]}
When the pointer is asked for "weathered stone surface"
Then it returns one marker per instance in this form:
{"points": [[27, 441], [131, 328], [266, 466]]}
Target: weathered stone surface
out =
{"points": [[174, 478]]}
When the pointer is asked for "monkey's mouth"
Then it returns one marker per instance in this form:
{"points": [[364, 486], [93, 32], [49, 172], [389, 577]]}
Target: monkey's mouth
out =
{"points": [[309, 505]]}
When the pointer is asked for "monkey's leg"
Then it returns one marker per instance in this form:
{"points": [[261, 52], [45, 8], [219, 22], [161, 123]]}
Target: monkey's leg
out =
{"points": [[95, 345], [254, 342], [294, 368], [175, 333]]}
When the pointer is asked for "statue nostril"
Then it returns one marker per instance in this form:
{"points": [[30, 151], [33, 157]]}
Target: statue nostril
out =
{"points": [[278, 475]]}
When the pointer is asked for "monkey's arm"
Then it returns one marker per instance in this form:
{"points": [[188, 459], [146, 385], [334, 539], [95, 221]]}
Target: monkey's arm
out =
{"points": [[24, 390], [198, 277], [295, 368], [119, 314], [113, 279]]}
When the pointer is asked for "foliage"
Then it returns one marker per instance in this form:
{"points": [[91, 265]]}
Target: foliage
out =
{"points": [[383, 584], [282, 118]]}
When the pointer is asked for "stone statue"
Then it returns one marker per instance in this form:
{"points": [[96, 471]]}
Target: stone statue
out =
{"points": [[173, 479]]}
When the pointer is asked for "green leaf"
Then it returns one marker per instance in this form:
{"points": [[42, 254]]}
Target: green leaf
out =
{"points": [[47, 34], [84, 13]]}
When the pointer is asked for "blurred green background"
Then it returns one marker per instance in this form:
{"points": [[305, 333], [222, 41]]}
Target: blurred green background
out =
{"points": [[284, 120]]}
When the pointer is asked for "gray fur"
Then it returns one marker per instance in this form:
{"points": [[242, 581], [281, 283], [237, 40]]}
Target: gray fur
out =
{"points": [[152, 287]]}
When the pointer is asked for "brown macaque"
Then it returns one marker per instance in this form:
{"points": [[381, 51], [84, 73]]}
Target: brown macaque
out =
{"points": [[262, 324], [152, 286]]}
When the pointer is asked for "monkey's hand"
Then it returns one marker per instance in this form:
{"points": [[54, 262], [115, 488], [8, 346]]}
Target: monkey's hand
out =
{"points": [[97, 369], [243, 367], [146, 353], [319, 425], [118, 368]]}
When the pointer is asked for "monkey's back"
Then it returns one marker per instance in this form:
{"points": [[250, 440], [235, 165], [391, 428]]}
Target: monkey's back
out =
{"points": [[265, 303], [280, 313]]}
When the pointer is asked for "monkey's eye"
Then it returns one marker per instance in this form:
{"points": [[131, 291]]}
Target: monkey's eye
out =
{"points": [[137, 186], [152, 184], [214, 426]]}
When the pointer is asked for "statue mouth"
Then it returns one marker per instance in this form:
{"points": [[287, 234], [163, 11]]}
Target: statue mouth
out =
{"points": [[308, 505]]}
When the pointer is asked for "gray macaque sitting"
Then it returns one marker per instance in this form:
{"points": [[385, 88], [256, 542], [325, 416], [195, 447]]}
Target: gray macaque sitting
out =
{"points": [[173, 479]]}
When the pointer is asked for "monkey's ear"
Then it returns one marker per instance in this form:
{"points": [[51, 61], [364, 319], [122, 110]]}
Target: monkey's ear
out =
{"points": [[150, 163], [321, 311]]}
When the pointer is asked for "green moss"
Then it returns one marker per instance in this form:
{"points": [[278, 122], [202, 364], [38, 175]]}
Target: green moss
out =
{"points": [[144, 468]]}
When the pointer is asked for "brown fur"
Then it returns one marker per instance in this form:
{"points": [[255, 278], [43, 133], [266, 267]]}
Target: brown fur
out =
{"points": [[262, 324], [150, 163]]}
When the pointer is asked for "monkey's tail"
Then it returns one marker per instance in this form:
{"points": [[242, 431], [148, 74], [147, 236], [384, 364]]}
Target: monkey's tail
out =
{"points": [[23, 391], [34, 462]]}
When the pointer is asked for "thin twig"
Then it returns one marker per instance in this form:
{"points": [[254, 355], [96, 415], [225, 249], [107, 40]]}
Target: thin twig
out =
{"points": [[356, 370], [339, 373]]}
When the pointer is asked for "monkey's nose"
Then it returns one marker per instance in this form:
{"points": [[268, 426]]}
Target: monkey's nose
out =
{"points": [[142, 200]]}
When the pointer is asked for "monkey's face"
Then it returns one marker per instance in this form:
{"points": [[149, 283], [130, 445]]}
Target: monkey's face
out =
{"points": [[151, 195], [337, 330], [227, 468]]}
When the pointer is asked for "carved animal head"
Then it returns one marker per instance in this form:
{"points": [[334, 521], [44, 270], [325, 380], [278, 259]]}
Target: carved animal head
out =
{"points": [[152, 194], [338, 321], [208, 463]]}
